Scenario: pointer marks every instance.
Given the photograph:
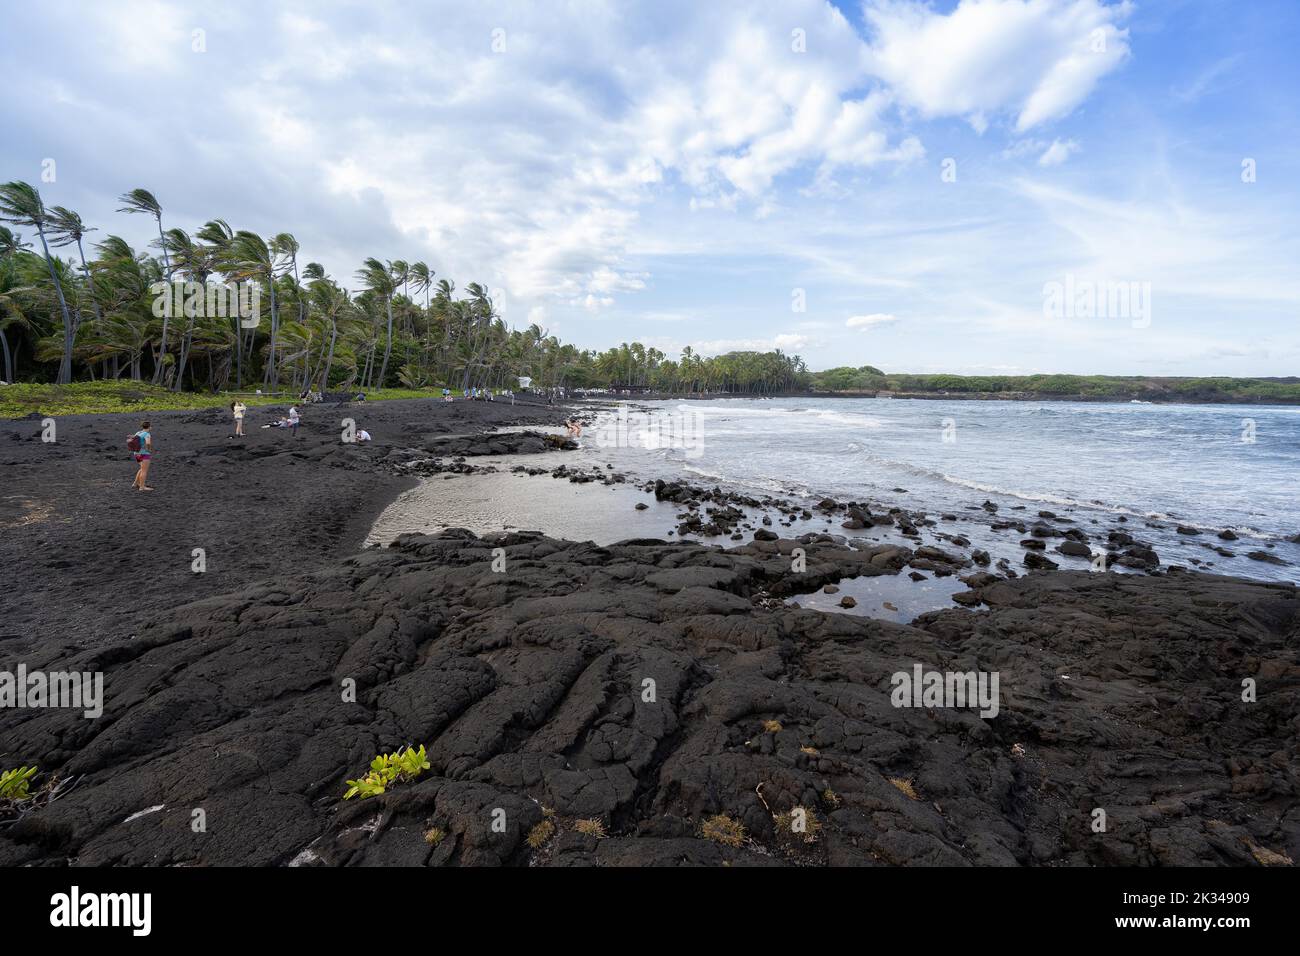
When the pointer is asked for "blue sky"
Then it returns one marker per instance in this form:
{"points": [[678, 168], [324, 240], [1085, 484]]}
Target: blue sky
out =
{"points": [[689, 174]]}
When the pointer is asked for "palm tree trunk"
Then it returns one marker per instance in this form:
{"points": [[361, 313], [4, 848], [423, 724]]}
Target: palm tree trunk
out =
{"points": [[239, 352], [325, 379], [273, 369], [65, 366], [162, 342], [186, 339], [9, 360], [388, 346]]}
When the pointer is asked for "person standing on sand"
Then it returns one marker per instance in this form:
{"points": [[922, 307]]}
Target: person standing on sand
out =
{"points": [[143, 457], [293, 419], [237, 408]]}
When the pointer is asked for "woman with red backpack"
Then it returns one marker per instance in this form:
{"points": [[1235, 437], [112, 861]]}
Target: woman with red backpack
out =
{"points": [[141, 445]]}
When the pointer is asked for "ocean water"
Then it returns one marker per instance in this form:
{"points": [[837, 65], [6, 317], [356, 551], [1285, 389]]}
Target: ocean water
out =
{"points": [[1209, 467]]}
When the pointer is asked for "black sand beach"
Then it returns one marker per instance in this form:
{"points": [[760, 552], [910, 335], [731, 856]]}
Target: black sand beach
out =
{"points": [[89, 560], [227, 691]]}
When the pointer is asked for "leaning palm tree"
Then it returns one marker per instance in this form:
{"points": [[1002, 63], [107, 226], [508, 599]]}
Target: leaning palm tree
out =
{"points": [[479, 318], [21, 204], [220, 237], [11, 312], [252, 258], [196, 261], [286, 245], [332, 304], [66, 228], [422, 278], [143, 201], [378, 278]]}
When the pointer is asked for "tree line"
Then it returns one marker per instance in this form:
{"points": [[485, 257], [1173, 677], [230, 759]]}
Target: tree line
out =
{"points": [[868, 379], [97, 317]]}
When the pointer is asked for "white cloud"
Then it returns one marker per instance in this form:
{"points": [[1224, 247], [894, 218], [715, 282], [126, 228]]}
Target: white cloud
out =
{"points": [[1058, 152], [1038, 59], [786, 342], [874, 320]]}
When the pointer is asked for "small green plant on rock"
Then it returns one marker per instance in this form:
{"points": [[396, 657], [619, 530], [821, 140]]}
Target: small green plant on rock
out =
{"points": [[13, 783], [387, 769], [17, 797]]}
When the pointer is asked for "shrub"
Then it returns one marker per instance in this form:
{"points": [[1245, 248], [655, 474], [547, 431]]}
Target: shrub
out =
{"points": [[540, 834], [785, 822], [592, 827], [722, 829], [387, 769], [13, 783], [905, 786]]}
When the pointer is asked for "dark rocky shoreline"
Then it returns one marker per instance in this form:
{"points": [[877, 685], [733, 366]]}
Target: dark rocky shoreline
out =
{"points": [[226, 691], [528, 686]]}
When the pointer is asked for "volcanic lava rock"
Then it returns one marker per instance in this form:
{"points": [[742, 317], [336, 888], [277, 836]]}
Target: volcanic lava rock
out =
{"points": [[1074, 549], [639, 684]]}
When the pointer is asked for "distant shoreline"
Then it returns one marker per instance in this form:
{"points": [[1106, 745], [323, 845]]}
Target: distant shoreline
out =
{"points": [[945, 396]]}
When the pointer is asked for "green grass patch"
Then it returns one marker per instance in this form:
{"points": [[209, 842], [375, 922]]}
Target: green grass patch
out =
{"points": [[93, 398]]}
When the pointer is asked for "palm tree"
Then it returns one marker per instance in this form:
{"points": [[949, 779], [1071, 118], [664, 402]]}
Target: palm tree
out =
{"points": [[479, 315], [125, 281], [422, 279], [66, 228], [286, 245], [378, 278], [252, 258], [422, 276], [21, 204], [11, 313], [220, 237], [332, 304], [143, 201], [197, 262]]}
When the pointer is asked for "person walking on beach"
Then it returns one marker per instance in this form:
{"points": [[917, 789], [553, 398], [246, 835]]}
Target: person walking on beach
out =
{"points": [[237, 408], [143, 444], [293, 419]]}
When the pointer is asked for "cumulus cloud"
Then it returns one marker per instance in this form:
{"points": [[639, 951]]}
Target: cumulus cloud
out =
{"points": [[557, 172], [1036, 59]]}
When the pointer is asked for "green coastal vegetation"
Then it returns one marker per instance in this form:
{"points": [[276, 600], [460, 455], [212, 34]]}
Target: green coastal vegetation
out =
{"points": [[218, 310], [870, 380]]}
